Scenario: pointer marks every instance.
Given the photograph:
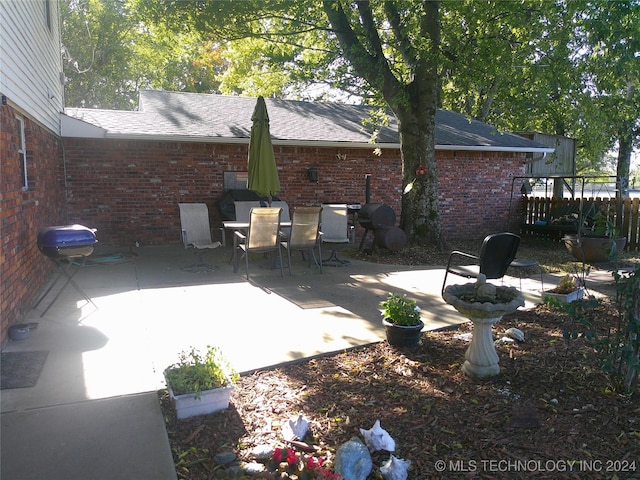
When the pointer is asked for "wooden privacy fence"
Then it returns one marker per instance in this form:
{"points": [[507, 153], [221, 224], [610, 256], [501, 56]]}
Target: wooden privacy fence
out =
{"points": [[538, 209]]}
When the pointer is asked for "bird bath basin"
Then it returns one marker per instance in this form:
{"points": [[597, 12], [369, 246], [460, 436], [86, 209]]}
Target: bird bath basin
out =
{"points": [[484, 304]]}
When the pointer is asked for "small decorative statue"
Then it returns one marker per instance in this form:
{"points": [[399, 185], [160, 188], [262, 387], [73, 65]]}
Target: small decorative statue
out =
{"points": [[395, 469], [485, 292], [295, 428], [353, 460], [377, 438]]}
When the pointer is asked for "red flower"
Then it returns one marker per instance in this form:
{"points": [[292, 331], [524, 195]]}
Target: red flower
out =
{"points": [[421, 171], [313, 462], [285, 454]]}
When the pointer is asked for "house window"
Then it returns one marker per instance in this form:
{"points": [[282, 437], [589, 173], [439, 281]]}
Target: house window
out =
{"points": [[22, 153]]}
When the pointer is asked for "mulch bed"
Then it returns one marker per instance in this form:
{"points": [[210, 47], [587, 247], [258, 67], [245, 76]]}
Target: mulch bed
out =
{"points": [[549, 414]]}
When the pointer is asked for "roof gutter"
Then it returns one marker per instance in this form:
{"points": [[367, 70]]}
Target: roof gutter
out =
{"points": [[245, 141], [489, 148], [322, 144]]}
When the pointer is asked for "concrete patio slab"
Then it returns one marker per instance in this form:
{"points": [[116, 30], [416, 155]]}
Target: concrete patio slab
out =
{"points": [[106, 363]]}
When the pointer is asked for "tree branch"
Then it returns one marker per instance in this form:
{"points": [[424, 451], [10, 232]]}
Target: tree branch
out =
{"points": [[372, 66]]}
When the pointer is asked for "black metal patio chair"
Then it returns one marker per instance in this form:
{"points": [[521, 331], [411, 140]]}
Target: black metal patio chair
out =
{"points": [[496, 254]]}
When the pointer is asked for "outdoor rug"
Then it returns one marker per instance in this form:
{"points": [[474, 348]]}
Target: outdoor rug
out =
{"points": [[21, 369]]}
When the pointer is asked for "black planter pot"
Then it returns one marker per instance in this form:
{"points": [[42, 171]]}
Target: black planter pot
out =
{"points": [[402, 336]]}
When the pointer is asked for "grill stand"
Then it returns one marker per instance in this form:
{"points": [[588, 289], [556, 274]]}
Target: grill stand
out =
{"points": [[64, 271], [366, 232]]}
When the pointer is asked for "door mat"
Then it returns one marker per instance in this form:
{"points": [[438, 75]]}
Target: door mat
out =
{"points": [[21, 369]]}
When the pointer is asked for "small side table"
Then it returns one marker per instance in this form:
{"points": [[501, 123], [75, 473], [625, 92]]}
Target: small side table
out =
{"points": [[522, 264]]}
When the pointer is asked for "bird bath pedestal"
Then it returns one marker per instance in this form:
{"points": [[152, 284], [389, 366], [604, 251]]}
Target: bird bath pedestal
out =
{"points": [[481, 359]]}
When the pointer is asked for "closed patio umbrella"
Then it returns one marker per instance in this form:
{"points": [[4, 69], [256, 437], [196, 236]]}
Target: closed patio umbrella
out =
{"points": [[263, 173]]}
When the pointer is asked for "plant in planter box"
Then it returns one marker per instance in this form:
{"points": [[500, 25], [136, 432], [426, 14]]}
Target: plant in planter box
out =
{"points": [[569, 289], [200, 383], [401, 319], [567, 284]]}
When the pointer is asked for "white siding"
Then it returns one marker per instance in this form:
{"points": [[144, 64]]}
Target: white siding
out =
{"points": [[30, 59]]}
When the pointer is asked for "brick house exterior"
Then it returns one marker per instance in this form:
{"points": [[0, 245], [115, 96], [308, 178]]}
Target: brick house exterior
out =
{"points": [[32, 100], [24, 212], [127, 185], [127, 171], [129, 189]]}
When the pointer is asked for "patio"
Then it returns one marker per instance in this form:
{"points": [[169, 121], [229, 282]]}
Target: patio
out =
{"points": [[149, 309]]}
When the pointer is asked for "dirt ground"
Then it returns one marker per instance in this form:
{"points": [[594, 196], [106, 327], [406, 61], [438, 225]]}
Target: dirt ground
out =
{"points": [[549, 414]]}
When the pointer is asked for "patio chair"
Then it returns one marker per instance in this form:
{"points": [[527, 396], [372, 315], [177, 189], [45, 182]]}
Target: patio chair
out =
{"points": [[496, 254], [305, 235], [243, 208], [285, 217], [263, 235], [335, 230], [196, 233]]}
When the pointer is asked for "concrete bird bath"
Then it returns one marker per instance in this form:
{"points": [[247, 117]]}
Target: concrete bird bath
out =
{"points": [[484, 304]]}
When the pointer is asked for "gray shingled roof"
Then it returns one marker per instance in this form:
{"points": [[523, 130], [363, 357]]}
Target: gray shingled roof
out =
{"points": [[200, 117]]}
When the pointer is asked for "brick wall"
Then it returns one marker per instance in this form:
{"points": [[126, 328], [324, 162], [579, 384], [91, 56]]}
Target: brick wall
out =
{"points": [[475, 191], [129, 190], [24, 269]]}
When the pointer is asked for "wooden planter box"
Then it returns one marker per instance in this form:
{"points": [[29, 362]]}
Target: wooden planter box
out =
{"points": [[564, 297]]}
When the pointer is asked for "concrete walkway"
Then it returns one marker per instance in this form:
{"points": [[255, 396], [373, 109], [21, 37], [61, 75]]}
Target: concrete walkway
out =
{"points": [[94, 411]]}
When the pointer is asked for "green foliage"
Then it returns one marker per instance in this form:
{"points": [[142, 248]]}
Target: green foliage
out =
{"points": [[566, 68], [567, 284], [400, 310], [195, 372], [580, 325], [620, 349], [109, 53]]}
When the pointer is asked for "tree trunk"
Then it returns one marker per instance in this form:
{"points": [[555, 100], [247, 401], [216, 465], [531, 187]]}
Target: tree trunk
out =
{"points": [[625, 145], [420, 217], [414, 103]]}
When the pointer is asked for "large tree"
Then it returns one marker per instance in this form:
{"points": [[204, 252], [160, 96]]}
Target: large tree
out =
{"points": [[109, 55], [567, 68], [612, 65]]}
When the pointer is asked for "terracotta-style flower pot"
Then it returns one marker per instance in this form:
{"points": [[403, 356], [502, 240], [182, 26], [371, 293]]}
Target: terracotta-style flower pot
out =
{"points": [[593, 248]]}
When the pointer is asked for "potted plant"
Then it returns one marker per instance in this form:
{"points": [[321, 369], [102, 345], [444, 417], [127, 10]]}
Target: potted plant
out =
{"points": [[200, 383], [567, 291], [401, 320], [599, 244]]}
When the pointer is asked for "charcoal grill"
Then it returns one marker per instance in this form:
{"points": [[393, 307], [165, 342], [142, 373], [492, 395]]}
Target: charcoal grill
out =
{"points": [[68, 246], [380, 219]]}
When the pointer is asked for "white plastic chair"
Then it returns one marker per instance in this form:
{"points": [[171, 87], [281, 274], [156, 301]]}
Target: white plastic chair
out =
{"points": [[335, 230], [196, 233], [243, 209]]}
